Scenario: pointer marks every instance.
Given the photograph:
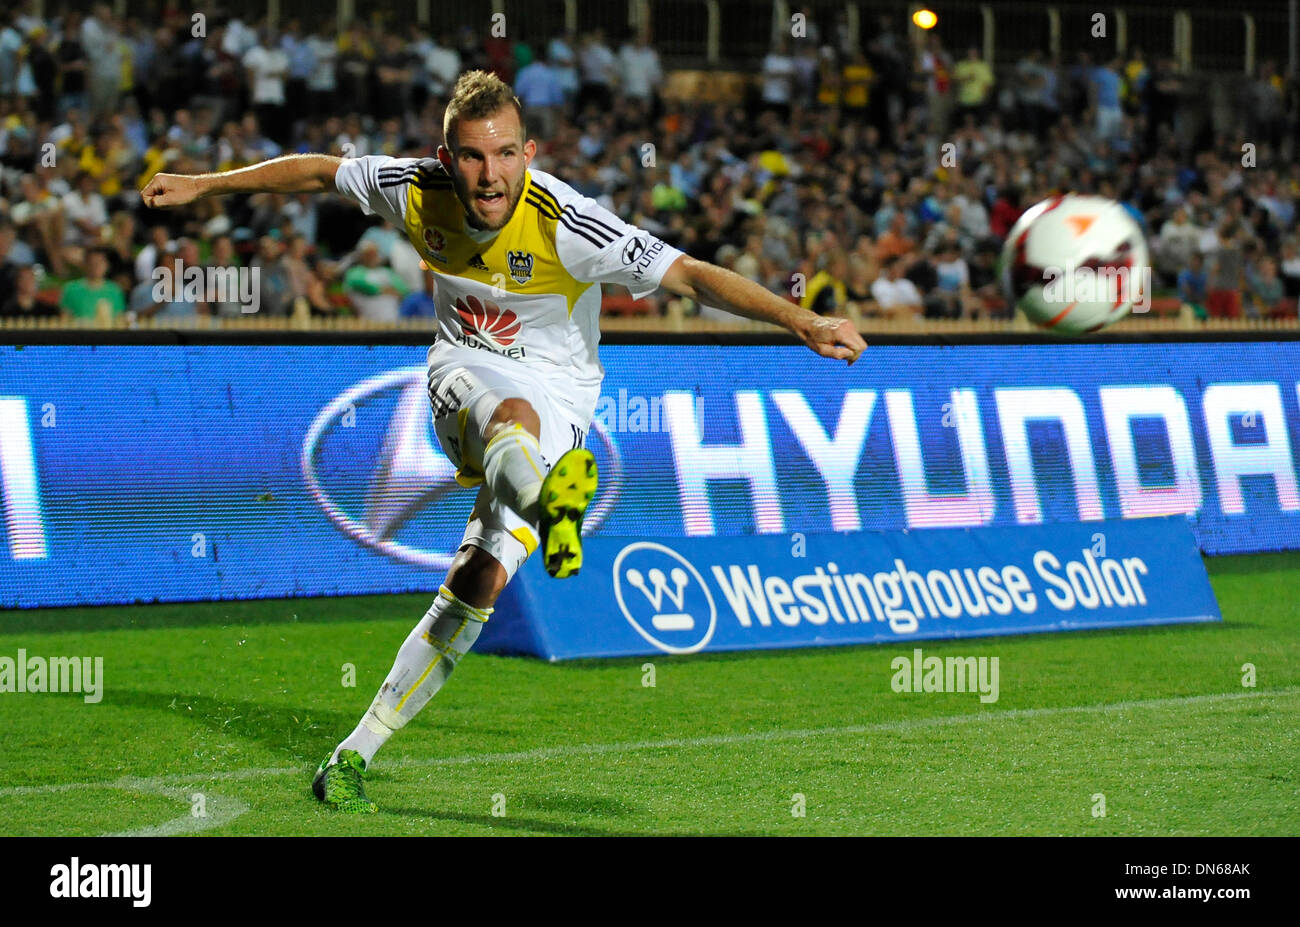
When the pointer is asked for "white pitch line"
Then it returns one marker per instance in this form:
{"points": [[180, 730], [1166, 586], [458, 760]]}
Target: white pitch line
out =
{"points": [[218, 810], [575, 750]]}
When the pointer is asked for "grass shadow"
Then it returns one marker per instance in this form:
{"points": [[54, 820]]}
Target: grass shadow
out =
{"points": [[303, 734]]}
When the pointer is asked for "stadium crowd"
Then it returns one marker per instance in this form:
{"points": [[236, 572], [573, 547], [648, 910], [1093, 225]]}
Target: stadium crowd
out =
{"points": [[867, 174]]}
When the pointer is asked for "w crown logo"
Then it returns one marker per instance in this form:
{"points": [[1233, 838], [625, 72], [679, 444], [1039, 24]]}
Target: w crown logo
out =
{"points": [[680, 621], [664, 597]]}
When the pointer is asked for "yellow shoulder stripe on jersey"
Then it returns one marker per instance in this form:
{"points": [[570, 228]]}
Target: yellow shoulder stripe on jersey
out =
{"points": [[427, 177], [549, 211], [542, 193]]}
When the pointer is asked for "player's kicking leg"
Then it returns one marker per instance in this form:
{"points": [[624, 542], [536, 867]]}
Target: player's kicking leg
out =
{"points": [[431, 651], [555, 501], [519, 493]]}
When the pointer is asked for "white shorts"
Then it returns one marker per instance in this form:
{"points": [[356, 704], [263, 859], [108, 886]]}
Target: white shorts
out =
{"points": [[463, 393]]}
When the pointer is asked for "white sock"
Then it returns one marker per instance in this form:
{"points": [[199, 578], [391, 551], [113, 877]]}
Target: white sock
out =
{"points": [[513, 467], [445, 634]]}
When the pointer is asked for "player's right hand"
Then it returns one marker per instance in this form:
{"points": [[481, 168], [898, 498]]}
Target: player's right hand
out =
{"points": [[166, 190], [834, 337]]}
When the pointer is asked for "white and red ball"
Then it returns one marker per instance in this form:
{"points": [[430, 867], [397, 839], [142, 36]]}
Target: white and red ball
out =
{"points": [[1074, 264]]}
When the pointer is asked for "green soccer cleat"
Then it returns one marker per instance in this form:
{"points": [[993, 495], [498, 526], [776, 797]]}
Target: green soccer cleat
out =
{"points": [[566, 492], [340, 786]]}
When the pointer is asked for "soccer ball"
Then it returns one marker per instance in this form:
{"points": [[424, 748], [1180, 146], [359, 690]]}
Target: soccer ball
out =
{"points": [[1074, 264]]}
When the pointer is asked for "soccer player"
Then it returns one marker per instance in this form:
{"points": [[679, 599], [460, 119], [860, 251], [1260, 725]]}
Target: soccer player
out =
{"points": [[514, 375]]}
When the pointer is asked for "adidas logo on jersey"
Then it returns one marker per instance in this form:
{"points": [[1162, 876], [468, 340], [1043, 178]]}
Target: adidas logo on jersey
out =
{"points": [[476, 262], [486, 325]]}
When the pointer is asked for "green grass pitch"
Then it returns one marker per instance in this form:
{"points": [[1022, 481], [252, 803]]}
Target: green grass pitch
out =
{"points": [[214, 715]]}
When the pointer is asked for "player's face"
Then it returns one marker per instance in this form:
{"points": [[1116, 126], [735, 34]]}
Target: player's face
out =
{"points": [[488, 166]]}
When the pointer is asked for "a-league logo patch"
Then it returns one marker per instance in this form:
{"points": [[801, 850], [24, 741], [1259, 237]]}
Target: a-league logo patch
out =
{"points": [[520, 264], [435, 243]]}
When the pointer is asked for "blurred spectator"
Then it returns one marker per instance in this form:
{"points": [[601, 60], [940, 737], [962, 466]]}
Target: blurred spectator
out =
{"points": [[444, 66], [974, 79], [308, 276], [275, 288], [23, 303], [1263, 289], [1226, 264], [895, 294], [322, 83], [538, 87], [11, 44], [895, 243], [419, 303], [778, 79], [151, 255], [639, 70], [373, 289], [1136, 75], [1006, 210], [1105, 83], [120, 250], [93, 297], [952, 293], [177, 280], [302, 62], [72, 64], [863, 269], [14, 254], [827, 293], [85, 215], [1193, 285], [41, 213], [599, 72], [355, 61], [104, 52], [44, 72], [1179, 240], [855, 81], [1266, 106], [268, 72], [1164, 88], [302, 210], [225, 260], [394, 71], [1291, 268], [935, 70], [560, 52]]}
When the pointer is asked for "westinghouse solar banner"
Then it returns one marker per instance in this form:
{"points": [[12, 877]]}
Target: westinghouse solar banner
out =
{"points": [[686, 595], [143, 473]]}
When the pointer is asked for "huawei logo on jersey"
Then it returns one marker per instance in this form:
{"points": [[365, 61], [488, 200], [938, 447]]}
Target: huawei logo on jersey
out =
{"points": [[487, 320]]}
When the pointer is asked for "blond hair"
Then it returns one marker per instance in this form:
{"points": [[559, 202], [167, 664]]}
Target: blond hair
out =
{"points": [[477, 95]]}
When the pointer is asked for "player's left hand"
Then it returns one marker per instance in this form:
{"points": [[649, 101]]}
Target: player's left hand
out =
{"points": [[834, 337]]}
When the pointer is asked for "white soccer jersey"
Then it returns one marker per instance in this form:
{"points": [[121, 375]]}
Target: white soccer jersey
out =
{"points": [[527, 294]]}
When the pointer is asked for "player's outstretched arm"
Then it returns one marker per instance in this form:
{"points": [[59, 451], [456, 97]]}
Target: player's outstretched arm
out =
{"points": [[707, 283], [297, 173]]}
